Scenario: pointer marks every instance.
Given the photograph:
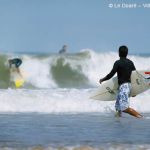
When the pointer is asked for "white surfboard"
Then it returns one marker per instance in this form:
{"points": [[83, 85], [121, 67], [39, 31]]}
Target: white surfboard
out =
{"points": [[108, 90]]}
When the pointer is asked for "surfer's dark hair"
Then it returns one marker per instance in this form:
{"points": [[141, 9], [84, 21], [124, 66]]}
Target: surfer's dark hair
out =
{"points": [[123, 51]]}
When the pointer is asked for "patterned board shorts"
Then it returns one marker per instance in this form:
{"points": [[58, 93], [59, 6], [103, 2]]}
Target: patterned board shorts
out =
{"points": [[122, 102]]}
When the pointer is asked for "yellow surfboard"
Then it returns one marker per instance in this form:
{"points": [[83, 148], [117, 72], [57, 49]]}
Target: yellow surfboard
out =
{"points": [[19, 83]]}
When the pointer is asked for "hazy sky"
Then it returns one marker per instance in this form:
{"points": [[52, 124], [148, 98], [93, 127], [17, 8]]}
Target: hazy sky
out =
{"points": [[45, 25]]}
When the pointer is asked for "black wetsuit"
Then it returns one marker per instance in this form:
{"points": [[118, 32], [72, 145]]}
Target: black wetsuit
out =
{"points": [[124, 68], [16, 61]]}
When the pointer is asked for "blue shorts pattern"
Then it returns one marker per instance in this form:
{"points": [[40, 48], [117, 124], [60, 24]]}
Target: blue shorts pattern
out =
{"points": [[122, 101]]}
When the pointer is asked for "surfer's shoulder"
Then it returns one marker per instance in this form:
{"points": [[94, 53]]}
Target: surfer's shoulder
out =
{"points": [[129, 60], [117, 61]]}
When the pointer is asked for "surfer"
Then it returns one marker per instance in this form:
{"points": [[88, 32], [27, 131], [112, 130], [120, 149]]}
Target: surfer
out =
{"points": [[124, 68], [16, 62], [63, 50]]}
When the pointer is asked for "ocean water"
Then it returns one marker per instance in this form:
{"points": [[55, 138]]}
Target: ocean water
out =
{"points": [[73, 131], [53, 109]]}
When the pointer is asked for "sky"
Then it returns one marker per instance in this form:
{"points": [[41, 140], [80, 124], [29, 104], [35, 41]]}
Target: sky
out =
{"points": [[44, 26]]}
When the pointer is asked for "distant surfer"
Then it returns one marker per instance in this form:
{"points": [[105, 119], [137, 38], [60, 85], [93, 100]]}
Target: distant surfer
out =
{"points": [[123, 67], [15, 64], [63, 50]]}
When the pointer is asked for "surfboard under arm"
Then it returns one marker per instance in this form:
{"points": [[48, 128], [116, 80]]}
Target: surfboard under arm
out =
{"points": [[108, 91]]}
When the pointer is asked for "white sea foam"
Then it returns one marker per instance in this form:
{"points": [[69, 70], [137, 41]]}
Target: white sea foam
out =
{"points": [[62, 101], [39, 72], [42, 72]]}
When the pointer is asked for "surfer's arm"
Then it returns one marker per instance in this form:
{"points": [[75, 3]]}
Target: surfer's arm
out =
{"points": [[111, 74]]}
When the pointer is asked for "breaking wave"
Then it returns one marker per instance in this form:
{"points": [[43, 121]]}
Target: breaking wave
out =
{"points": [[79, 70]]}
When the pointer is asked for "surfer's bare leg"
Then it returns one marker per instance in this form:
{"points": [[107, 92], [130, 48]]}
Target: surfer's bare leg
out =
{"points": [[118, 114], [18, 70], [132, 112]]}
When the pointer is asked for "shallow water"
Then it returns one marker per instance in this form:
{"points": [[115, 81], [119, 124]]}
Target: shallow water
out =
{"points": [[95, 130]]}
